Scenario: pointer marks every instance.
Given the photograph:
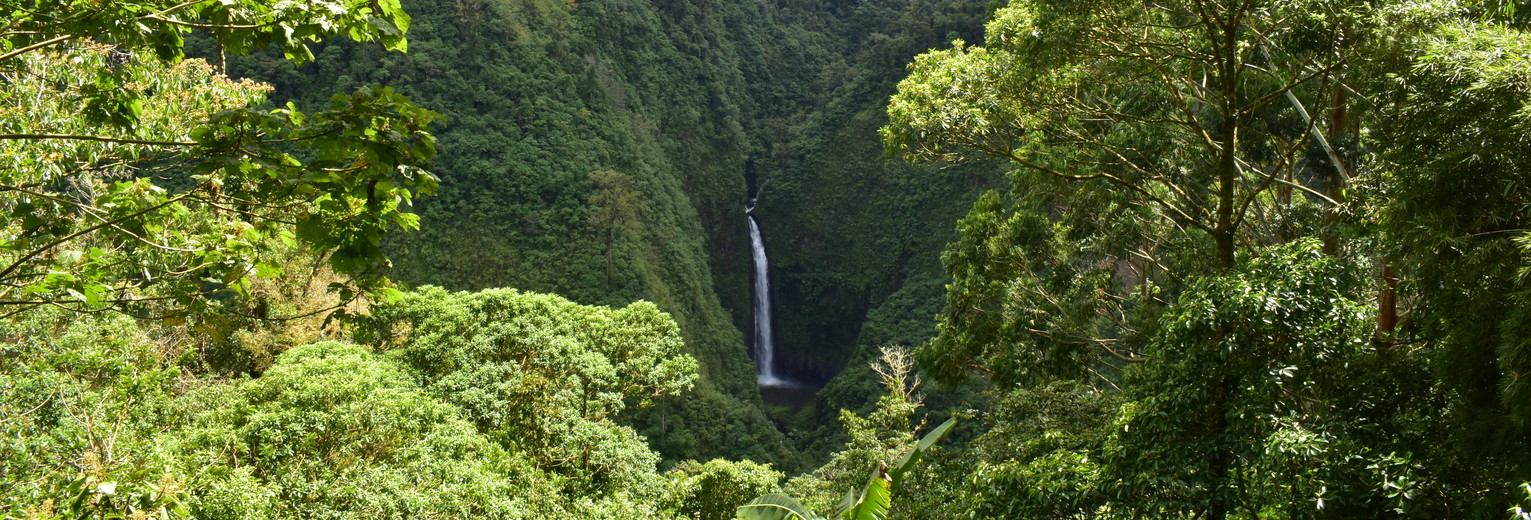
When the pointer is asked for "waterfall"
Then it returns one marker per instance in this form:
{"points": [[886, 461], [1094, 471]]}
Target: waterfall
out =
{"points": [[765, 347]]}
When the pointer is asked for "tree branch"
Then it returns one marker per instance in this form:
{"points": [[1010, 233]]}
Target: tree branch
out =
{"points": [[35, 46], [24, 258], [76, 137]]}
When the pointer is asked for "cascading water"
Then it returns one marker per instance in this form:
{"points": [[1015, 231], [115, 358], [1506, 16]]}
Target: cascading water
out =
{"points": [[765, 347]]}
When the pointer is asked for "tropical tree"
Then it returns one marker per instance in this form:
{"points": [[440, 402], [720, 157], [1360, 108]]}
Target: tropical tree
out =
{"points": [[332, 430], [617, 210], [872, 502], [1181, 107], [1124, 123], [714, 490], [539, 373], [1262, 396], [1150, 143], [1446, 197], [80, 399], [883, 439], [142, 182]]}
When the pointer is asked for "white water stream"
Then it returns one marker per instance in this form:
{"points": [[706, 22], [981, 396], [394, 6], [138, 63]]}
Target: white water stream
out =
{"points": [[765, 346]]}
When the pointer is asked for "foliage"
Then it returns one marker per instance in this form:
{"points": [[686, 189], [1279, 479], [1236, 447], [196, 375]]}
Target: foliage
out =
{"points": [[139, 182], [715, 489], [1144, 319], [538, 94], [241, 26], [776, 506], [88, 496], [692, 101], [1172, 106], [617, 209], [80, 398], [539, 374], [902, 319], [1519, 512], [1029, 295], [1448, 200], [332, 429], [1039, 457], [328, 430], [1270, 363], [1255, 365], [853, 235], [872, 503], [882, 436], [1148, 140], [336, 430], [1146, 144]]}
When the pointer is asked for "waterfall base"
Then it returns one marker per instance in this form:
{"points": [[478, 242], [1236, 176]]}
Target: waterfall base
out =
{"points": [[774, 381], [790, 398]]}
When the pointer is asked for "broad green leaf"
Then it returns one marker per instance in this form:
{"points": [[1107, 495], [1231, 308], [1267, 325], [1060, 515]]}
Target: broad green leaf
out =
{"points": [[775, 506], [912, 456], [875, 500]]}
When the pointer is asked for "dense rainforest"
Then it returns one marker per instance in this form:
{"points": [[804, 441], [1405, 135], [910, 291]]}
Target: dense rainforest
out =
{"points": [[1027, 259]]}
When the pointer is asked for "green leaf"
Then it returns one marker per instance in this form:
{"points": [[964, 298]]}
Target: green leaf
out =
{"points": [[58, 278], [775, 506], [875, 499], [95, 293], [389, 295], [901, 467]]}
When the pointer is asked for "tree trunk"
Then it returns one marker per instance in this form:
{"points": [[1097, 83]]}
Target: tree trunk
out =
{"points": [[1219, 504], [1227, 175], [1335, 187], [1225, 250], [611, 242], [1227, 165], [1225, 234], [1387, 310]]}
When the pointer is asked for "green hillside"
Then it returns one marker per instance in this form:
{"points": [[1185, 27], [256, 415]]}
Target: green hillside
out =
{"points": [[1099, 259]]}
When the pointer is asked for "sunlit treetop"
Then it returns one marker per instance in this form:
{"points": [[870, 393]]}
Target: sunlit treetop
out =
{"points": [[239, 25], [138, 181]]}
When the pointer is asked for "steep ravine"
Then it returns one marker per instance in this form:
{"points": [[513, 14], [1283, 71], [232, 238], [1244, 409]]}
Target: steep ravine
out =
{"points": [[848, 227], [677, 110]]}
